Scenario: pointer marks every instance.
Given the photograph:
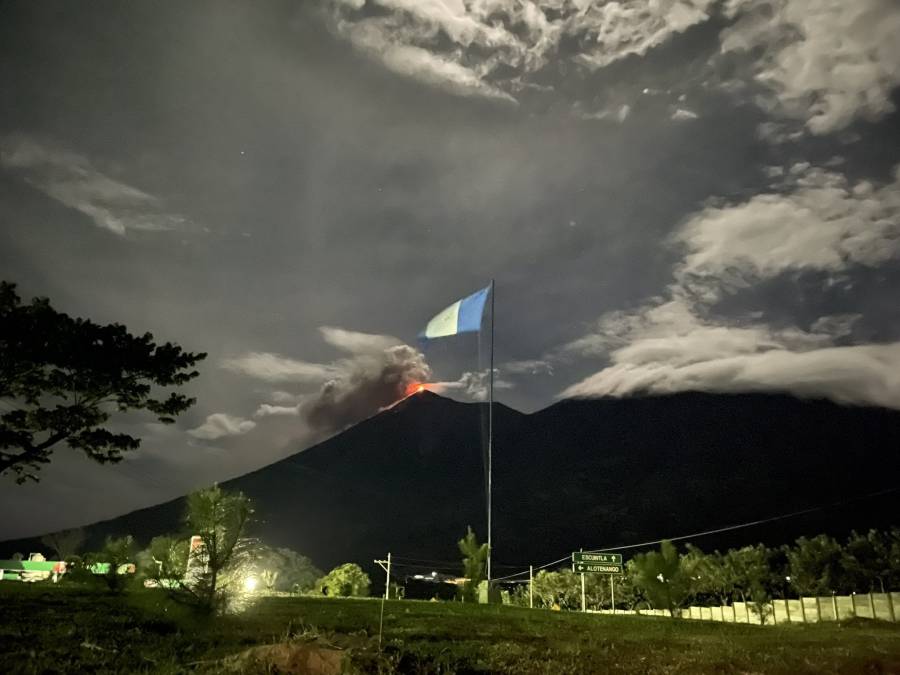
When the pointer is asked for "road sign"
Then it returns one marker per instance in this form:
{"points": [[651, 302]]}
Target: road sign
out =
{"points": [[601, 558], [591, 568], [597, 563]]}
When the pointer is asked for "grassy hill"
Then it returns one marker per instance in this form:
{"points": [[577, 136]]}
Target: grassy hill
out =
{"points": [[70, 629]]}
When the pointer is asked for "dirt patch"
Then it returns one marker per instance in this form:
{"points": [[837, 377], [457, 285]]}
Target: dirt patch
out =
{"points": [[290, 658]]}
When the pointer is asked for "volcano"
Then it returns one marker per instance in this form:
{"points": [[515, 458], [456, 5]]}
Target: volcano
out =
{"points": [[581, 473]]}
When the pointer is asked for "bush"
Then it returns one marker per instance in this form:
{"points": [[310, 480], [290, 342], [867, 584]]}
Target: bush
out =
{"points": [[111, 565], [347, 580]]}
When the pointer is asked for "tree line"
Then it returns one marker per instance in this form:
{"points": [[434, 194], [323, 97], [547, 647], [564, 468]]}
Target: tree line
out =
{"points": [[212, 564], [671, 579]]}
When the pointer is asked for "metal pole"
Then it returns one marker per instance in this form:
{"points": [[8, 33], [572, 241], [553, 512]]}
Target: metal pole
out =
{"points": [[583, 603], [386, 566], [612, 594], [531, 586], [490, 443]]}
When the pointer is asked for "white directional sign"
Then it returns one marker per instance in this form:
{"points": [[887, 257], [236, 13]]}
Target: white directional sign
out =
{"points": [[597, 563]]}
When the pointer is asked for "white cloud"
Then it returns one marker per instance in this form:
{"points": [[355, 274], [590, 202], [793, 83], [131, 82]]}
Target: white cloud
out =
{"points": [[619, 114], [827, 63], [683, 114], [668, 348], [284, 397], [355, 342], [528, 367], [267, 410], [487, 47], [218, 425], [866, 374], [475, 384], [72, 180], [614, 30], [382, 39], [822, 223], [276, 368]]}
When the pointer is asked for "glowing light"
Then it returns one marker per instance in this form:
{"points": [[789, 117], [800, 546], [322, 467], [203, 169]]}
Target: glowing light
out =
{"points": [[250, 584], [416, 388]]}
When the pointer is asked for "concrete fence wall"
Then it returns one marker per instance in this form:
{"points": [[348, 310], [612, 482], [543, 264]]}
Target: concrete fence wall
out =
{"points": [[884, 606]]}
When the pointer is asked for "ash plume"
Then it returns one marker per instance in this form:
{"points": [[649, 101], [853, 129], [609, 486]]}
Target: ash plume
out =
{"points": [[370, 382]]}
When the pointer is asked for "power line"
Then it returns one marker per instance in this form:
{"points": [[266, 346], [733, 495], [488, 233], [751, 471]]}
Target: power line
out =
{"points": [[751, 523], [719, 530]]}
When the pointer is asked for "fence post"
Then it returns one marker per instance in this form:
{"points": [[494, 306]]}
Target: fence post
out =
{"points": [[853, 603], [787, 609], [747, 609], [834, 606], [872, 605], [890, 597], [802, 609], [818, 608]]}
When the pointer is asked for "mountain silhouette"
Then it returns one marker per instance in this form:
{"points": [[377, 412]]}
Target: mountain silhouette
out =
{"points": [[588, 473]]}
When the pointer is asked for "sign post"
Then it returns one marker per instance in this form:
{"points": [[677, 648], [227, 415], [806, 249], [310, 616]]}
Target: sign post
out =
{"points": [[612, 594], [583, 603], [597, 563]]}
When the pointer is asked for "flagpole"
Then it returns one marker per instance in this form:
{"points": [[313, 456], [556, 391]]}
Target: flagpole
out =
{"points": [[490, 442]]}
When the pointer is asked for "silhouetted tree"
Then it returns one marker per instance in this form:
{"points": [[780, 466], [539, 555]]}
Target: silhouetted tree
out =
{"points": [[66, 543], [711, 574], [474, 564], [752, 575], [560, 589], [660, 574], [109, 563], [282, 569], [867, 560], [816, 566], [62, 377], [347, 580], [220, 519], [165, 560]]}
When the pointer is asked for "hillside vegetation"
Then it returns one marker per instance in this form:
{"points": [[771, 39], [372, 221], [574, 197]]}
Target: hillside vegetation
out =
{"points": [[59, 629]]}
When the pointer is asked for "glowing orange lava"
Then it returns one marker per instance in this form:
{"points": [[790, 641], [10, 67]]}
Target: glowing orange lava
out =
{"points": [[415, 388]]}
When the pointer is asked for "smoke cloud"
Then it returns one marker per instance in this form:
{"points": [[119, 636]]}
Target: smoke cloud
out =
{"points": [[369, 382]]}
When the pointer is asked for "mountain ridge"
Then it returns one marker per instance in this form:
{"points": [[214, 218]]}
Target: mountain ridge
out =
{"points": [[579, 473]]}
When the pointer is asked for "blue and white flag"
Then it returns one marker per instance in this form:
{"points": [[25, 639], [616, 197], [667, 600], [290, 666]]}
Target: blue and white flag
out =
{"points": [[463, 316]]}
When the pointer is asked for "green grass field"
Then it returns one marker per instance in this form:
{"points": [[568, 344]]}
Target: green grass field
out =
{"points": [[68, 629]]}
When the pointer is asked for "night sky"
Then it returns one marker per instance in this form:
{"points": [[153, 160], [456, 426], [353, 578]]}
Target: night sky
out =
{"points": [[671, 195]]}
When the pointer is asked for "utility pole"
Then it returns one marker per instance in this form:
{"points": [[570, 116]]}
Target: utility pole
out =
{"points": [[531, 586], [386, 566]]}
